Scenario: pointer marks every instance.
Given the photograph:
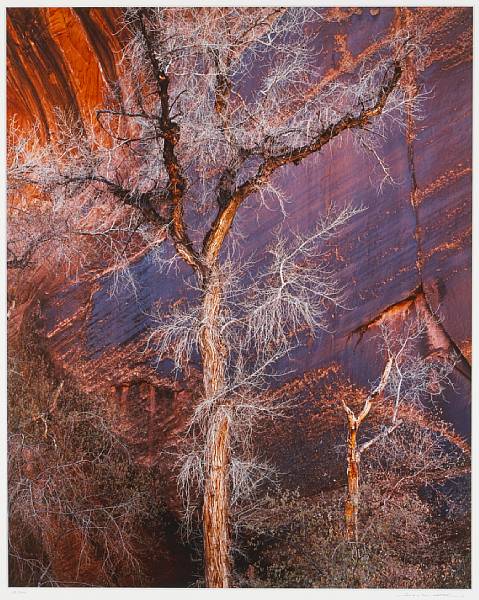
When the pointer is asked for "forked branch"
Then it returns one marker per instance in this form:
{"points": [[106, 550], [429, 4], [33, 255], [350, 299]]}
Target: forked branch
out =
{"points": [[221, 225]]}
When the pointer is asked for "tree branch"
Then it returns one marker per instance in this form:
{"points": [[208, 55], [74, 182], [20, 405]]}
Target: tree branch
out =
{"points": [[143, 201], [356, 421], [177, 181], [226, 212], [376, 438]]}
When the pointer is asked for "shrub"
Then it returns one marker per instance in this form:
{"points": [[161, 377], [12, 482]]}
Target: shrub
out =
{"points": [[77, 500]]}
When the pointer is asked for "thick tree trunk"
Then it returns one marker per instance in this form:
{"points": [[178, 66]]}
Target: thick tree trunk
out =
{"points": [[216, 508], [216, 527], [351, 507]]}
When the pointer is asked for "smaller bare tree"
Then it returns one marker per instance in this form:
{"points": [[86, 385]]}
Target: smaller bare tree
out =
{"points": [[415, 496], [408, 378]]}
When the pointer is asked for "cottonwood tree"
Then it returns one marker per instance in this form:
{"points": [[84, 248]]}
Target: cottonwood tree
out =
{"points": [[408, 379], [408, 511], [210, 106]]}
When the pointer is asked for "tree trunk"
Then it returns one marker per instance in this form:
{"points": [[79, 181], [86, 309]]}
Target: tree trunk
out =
{"points": [[216, 529], [351, 506], [216, 508]]}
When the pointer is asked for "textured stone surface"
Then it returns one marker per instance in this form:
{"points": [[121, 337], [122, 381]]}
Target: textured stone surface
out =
{"points": [[411, 250], [413, 241]]}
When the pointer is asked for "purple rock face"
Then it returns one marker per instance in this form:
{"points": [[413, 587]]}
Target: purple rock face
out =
{"points": [[409, 251], [412, 241]]}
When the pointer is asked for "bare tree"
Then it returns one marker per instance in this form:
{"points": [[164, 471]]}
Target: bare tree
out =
{"points": [[214, 102], [351, 506], [408, 378], [413, 496]]}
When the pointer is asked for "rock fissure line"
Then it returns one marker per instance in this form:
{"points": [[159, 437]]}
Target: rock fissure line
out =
{"points": [[463, 365], [416, 298]]}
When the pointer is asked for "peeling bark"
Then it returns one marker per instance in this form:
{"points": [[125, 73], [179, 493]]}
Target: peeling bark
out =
{"points": [[351, 506], [216, 526], [216, 518]]}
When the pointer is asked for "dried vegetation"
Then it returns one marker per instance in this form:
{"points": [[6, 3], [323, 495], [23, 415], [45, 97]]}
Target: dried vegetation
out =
{"points": [[78, 503]]}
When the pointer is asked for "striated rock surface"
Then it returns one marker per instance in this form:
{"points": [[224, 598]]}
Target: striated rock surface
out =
{"points": [[410, 251]]}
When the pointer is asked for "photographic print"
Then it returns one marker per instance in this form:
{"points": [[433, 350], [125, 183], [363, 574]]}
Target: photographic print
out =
{"points": [[239, 296]]}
